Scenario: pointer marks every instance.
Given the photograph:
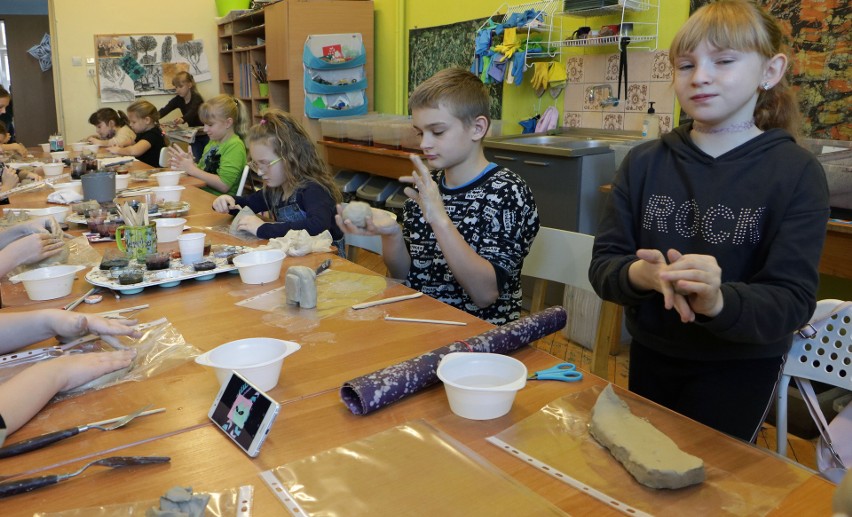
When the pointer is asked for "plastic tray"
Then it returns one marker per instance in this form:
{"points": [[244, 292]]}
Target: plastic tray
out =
{"points": [[79, 219], [170, 277]]}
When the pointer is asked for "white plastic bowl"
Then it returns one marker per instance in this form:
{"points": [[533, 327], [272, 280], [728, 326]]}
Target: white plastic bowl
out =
{"points": [[258, 359], [92, 148], [78, 146], [481, 386], [43, 214], [73, 186], [53, 169], [122, 181], [259, 267], [167, 178], [49, 282], [167, 193], [59, 155], [45, 148], [169, 229]]}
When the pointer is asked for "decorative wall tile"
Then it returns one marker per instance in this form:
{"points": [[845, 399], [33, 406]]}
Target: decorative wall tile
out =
{"points": [[636, 98], [666, 122], [662, 93], [574, 68], [574, 94], [639, 64], [572, 119], [613, 121], [594, 68], [592, 119], [611, 73], [662, 69], [633, 121]]}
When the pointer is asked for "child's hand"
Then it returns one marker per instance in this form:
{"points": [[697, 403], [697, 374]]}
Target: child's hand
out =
{"points": [[34, 248], [380, 223], [698, 278], [94, 139], [10, 178], [250, 223], [646, 274], [178, 121], [225, 204], [73, 324], [78, 369], [425, 191], [180, 159], [114, 149]]}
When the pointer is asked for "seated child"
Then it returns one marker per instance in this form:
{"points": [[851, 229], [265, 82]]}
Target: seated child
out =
{"points": [[469, 223], [224, 157], [112, 129], [298, 190], [41, 381], [5, 137], [144, 120]]}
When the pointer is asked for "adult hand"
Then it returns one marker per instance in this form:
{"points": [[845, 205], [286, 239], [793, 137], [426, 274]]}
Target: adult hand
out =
{"points": [[34, 248], [180, 159], [646, 274], [78, 369], [424, 191], [250, 223], [698, 278], [224, 204], [73, 324], [379, 223]]}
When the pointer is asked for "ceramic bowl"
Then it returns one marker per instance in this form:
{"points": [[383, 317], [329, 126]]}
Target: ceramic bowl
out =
{"points": [[167, 193], [48, 283], [481, 386], [53, 169], [259, 267], [258, 359], [167, 178]]}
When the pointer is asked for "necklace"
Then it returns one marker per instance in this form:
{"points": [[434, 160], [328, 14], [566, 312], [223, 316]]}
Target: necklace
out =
{"points": [[733, 128]]}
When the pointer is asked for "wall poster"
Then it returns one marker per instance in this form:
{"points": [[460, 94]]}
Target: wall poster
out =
{"points": [[132, 65]]}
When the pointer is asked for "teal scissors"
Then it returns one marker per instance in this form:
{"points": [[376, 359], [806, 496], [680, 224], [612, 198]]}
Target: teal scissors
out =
{"points": [[565, 372]]}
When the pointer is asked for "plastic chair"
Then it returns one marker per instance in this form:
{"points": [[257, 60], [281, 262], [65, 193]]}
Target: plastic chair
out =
{"points": [[826, 357], [242, 185], [563, 256], [164, 157]]}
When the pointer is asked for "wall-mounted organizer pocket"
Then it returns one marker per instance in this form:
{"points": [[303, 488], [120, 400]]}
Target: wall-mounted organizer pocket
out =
{"points": [[335, 79], [335, 104]]}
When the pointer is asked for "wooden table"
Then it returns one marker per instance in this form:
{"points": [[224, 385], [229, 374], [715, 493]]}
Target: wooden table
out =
{"points": [[836, 259], [203, 457], [334, 349]]}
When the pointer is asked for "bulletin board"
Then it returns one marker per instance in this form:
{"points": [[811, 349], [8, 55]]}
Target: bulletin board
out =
{"points": [[432, 49], [132, 65]]}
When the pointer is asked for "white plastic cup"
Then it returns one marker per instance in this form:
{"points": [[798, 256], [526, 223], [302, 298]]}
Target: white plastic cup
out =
{"points": [[169, 229], [45, 148], [191, 247]]}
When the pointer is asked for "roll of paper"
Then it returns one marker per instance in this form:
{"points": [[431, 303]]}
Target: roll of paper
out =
{"points": [[376, 390]]}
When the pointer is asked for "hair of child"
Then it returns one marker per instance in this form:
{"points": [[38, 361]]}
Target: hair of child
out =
{"points": [[105, 115], [743, 26], [4, 93], [143, 108], [223, 107], [182, 78], [288, 138], [458, 91], [3, 129]]}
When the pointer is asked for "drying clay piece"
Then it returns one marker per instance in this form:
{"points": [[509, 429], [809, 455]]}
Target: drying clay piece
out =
{"points": [[649, 455], [300, 285], [357, 212], [179, 502], [242, 213]]}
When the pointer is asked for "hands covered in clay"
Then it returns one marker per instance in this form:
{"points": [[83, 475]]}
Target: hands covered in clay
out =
{"points": [[224, 204], [424, 191], [690, 284], [377, 222], [78, 369], [10, 178], [68, 324], [33, 248]]}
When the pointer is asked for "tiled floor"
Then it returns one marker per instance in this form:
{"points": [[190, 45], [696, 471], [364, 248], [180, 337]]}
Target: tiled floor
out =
{"points": [[800, 450]]}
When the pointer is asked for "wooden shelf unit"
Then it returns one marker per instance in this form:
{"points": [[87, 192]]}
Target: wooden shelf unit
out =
{"points": [[275, 36]]}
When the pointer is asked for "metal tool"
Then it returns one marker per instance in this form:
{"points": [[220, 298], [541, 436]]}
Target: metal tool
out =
{"points": [[322, 267], [565, 372], [26, 485], [44, 440], [30, 356]]}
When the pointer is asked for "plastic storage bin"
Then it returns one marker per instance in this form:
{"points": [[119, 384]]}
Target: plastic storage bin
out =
{"points": [[348, 182], [836, 159], [376, 190], [389, 134]]}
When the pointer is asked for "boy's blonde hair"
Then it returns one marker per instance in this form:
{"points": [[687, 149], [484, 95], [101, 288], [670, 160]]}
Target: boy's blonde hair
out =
{"points": [[741, 25], [144, 109], [182, 78], [302, 162], [457, 90], [223, 107]]}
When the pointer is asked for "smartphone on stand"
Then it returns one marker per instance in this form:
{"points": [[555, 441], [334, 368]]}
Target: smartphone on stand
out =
{"points": [[244, 413]]}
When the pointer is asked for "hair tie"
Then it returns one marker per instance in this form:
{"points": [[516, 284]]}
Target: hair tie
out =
{"points": [[263, 122]]}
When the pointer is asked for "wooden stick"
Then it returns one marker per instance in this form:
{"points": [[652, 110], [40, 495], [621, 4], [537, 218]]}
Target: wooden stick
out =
{"points": [[387, 300], [418, 320]]}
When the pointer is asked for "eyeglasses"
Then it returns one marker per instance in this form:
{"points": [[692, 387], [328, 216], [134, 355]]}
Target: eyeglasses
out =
{"points": [[259, 166]]}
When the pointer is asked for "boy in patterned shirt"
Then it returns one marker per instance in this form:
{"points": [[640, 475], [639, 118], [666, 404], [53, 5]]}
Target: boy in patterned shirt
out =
{"points": [[468, 223]]}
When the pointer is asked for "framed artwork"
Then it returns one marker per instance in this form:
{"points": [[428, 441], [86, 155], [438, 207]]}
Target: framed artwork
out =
{"points": [[131, 65]]}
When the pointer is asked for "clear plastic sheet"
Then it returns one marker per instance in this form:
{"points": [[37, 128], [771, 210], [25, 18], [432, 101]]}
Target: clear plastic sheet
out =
{"points": [[79, 252], [336, 292], [232, 502], [556, 439], [409, 469], [243, 236], [160, 349]]}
